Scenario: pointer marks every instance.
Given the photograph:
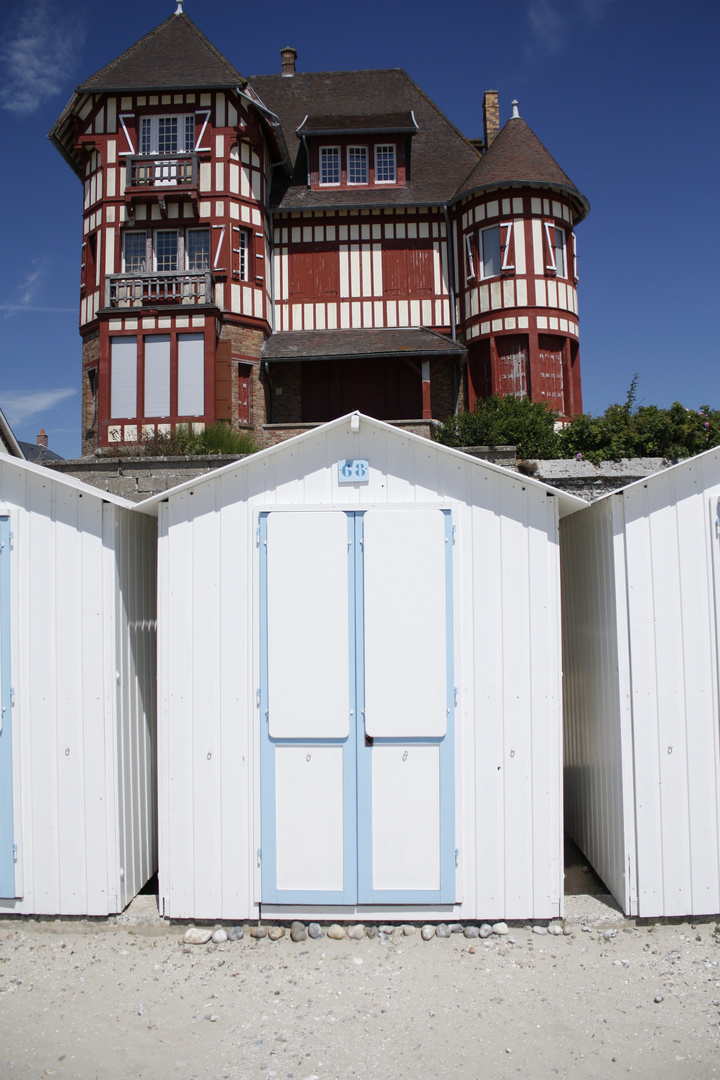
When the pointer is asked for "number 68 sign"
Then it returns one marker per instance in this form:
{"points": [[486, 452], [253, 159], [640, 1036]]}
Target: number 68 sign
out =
{"points": [[353, 471]]}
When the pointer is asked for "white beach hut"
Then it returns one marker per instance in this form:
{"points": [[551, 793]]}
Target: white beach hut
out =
{"points": [[77, 694], [359, 684], [641, 610]]}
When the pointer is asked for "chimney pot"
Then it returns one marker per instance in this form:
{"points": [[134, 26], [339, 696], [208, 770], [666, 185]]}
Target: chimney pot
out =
{"points": [[41, 439], [288, 56], [491, 117]]}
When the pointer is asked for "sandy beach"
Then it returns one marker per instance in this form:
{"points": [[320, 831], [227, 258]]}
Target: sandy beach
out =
{"points": [[124, 998]]}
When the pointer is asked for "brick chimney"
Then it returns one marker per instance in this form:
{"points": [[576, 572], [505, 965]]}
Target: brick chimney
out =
{"points": [[288, 55], [491, 117], [41, 439]]}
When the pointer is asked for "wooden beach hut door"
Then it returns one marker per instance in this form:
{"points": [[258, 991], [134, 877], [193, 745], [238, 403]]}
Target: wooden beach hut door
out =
{"points": [[7, 849], [357, 707]]}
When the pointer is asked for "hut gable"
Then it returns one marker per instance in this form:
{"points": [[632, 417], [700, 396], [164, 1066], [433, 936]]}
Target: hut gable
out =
{"points": [[361, 630]]}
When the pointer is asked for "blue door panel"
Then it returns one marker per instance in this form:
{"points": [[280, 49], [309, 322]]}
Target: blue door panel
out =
{"points": [[7, 851]]}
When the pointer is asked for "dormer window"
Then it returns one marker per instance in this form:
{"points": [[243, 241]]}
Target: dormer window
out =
{"points": [[357, 165], [385, 167], [329, 166], [167, 134]]}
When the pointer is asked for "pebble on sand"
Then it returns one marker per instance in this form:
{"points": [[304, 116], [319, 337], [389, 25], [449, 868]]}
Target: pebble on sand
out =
{"points": [[195, 935]]}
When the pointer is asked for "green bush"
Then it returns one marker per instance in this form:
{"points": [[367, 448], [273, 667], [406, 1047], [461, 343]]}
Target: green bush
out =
{"points": [[623, 431], [527, 425]]}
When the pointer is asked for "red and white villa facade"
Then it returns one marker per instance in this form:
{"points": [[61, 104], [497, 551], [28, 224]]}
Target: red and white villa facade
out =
{"points": [[276, 251]]}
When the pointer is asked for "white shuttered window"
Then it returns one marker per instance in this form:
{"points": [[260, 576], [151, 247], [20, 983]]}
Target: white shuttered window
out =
{"points": [[157, 375], [191, 374], [123, 378]]}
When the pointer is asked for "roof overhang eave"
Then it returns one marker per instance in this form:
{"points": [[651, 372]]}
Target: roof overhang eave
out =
{"points": [[453, 349], [539, 185]]}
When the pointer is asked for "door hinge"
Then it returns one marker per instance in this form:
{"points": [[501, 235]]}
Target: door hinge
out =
{"points": [[15, 853], [259, 856], [457, 856], [453, 533], [12, 696], [257, 537], [257, 699]]}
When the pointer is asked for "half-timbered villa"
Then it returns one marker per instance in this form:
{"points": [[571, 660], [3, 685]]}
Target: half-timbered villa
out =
{"points": [[278, 250]]}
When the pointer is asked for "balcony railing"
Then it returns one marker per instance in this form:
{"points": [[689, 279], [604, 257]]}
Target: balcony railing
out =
{"points": [[151, 171], [166, 287]]}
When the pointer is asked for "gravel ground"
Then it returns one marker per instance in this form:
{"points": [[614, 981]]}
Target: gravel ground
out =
{"points": [[118, 999]]}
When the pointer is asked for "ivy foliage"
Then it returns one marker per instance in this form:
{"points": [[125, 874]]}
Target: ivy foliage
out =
{"points": [[622, 431]]}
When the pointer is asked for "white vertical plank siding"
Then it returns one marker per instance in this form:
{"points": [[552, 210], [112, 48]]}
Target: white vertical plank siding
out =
{"points": [[641, 690], [594, 767], [64, 622], [506, 664]]}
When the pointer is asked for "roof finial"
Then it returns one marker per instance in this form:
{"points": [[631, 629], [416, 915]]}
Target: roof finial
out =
{"points": [[179, 8], [516, 114]]}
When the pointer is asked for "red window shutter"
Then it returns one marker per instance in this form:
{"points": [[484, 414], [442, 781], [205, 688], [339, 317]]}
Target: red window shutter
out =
{"points": [[395, 281], [244, 373], [420, 271], [326, 275]]}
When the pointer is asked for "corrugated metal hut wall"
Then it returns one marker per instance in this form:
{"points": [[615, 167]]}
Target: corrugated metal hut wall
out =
{"points": [[671, 560], [596, 696], [507, 664], [67, 718]]}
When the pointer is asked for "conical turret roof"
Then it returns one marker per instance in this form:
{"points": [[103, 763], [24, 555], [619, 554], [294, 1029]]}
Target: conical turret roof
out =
{"points": [[517, 157], [173, 56]]}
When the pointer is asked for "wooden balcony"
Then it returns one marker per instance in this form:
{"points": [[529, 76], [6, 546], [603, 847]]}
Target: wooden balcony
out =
{"points": [[148, 171], [158, 289]]}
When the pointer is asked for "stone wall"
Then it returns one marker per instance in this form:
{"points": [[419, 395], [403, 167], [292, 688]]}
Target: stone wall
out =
{"points": [[140, 477]]}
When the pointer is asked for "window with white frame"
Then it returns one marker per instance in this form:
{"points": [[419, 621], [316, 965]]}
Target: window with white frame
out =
{"points": [[197, 249], [489, 252], [240, 252], [167, 134], [385, 165], [329, 165], [135, 252], [166, 250], [557, 255], [357, 165]]}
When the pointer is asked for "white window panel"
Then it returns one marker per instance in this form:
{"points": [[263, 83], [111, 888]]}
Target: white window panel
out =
{"points": [[191, 374], [405, 624], [490, 252], [308, 668], [157, 376], [329, 165], [123, 378], [357, 165], [385, 167]]}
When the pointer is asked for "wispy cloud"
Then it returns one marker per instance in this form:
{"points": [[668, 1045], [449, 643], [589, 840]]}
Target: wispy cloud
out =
{"points": [[553, 21], [27, 290], [36, 55], [22, 405]]}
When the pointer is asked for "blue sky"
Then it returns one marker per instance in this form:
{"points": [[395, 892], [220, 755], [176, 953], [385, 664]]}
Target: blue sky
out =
{"points": [[623, 93]]}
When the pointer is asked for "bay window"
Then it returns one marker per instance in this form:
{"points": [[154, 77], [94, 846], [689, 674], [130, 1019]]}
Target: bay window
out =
{"points": [[168, 389], [490, 260]]}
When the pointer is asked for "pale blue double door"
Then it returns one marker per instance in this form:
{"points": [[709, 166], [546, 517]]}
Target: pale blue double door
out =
{"points": [[357, 707]]}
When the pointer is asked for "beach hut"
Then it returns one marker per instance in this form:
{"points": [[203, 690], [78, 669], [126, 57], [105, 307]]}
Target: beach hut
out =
{"points": [[359, 684], [641, 610], [77, 695]]}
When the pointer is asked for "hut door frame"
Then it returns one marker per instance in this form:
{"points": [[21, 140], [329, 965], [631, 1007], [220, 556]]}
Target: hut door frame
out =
{"points": [[7, 843], [368, 761]]}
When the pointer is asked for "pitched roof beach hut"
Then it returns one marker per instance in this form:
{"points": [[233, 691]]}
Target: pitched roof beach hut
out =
{"points": [[359, 684], [77, 693], [641, 611]]}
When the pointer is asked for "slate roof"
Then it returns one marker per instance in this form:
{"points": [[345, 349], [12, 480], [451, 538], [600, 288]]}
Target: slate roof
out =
{"points": [[344, 344], [516, 157], [173, 56], [440, 156], [360, 125]]}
